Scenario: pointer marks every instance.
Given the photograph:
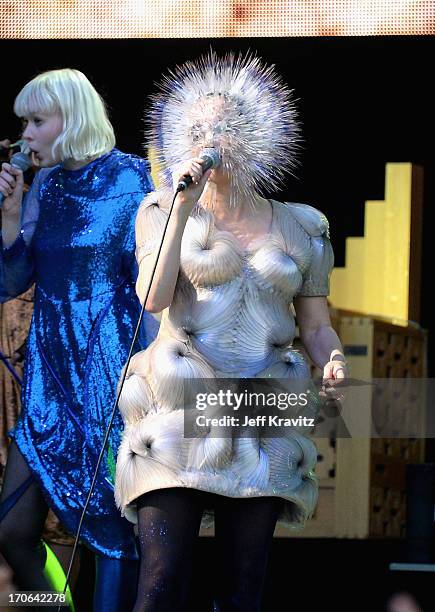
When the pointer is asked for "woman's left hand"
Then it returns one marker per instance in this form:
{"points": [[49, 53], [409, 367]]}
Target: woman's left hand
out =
{"points": [[334, 372]]}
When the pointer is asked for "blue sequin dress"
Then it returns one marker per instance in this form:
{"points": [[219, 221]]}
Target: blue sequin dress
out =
{"points": [[77, 243]]}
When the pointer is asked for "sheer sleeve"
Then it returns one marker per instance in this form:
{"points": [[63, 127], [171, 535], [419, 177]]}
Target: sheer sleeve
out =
{"points": [[316, 277], [16, 261], [150, 326]]}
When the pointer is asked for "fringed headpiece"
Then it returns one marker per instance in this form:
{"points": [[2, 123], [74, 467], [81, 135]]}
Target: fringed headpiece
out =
{"points": [[235, 104]]}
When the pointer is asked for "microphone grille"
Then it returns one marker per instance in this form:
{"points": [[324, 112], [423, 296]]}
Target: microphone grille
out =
{"points": [[213, 154], [21, 161]]}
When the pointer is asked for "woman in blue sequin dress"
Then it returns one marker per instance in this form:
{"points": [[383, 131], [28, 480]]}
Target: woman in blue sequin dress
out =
{"points": [[73, 237]]}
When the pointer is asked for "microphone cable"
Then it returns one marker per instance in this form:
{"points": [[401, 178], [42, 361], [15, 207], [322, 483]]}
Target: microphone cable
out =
{"points": [[118, 395]]}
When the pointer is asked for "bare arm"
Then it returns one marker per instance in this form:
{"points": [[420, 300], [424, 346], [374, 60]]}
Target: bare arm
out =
{"points": [[165, 278], [318, 337]]}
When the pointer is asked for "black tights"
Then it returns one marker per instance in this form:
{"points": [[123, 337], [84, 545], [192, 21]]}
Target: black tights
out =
{"points": [[21, 528], [169, 521], [21, 545]]}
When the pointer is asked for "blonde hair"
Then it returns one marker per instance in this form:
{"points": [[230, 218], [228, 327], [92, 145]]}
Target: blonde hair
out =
{"points": [[87, 131]]}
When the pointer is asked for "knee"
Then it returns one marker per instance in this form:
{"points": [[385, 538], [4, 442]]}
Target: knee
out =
{"points": [[8, 539], [163, 580], [162, 589], [14, 538]]}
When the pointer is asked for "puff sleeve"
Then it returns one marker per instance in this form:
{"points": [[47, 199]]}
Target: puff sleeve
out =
{"points": [[150, 222], [316, 277]]}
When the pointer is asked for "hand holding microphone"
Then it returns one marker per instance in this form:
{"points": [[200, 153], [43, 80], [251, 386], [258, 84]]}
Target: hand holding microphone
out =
{"points": [[12, 182], [192, 178], [207, 160]]}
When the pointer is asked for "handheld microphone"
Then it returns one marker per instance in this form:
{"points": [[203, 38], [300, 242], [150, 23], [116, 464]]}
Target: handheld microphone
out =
{"points": [[21, 161], [211, 159]]}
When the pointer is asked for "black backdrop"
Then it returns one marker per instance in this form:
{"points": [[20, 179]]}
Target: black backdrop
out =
{"points": [[363, 102]]}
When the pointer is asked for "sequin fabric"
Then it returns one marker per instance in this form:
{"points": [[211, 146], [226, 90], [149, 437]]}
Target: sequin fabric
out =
{"points": [[77, 243], [230, 318]]}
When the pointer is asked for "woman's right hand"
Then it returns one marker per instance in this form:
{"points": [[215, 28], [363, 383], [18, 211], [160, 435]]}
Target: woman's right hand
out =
{"points": [[11, 186], [187, 199]]}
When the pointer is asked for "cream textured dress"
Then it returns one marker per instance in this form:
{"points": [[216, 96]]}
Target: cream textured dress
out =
{"points": [[230, 317]]}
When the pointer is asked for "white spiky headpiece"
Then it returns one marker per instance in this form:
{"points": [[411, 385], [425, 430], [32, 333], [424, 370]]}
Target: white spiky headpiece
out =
{"points": [[235, 104]]}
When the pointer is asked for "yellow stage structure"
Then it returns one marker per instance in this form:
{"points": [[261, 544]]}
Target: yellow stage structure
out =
{"points": [[381, 276]]}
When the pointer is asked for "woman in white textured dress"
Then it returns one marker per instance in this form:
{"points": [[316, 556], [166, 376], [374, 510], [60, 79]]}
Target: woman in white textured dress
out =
{"points": [[231, 265]]}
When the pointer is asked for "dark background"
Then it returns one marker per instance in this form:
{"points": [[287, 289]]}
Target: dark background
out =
{"points": [[363, 102]]}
